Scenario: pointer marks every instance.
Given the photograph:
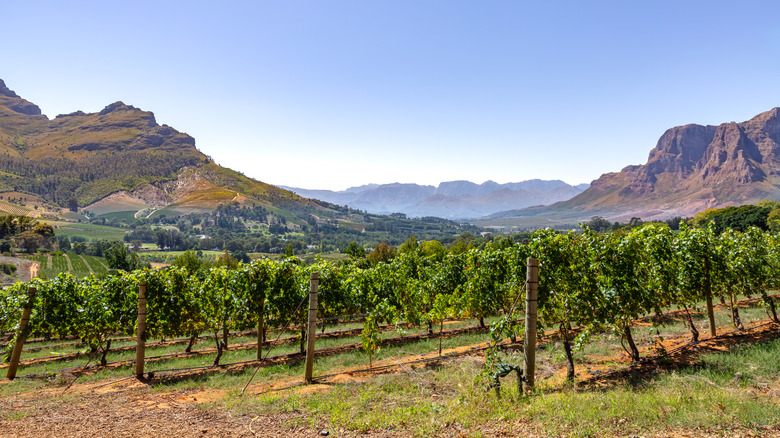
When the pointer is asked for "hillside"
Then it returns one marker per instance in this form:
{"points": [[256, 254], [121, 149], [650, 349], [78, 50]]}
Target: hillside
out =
{"points": [[452, 199], [119, 159], [691, 168], [119, 167]]}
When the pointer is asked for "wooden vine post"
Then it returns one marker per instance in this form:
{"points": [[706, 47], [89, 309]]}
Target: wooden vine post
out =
{"points": [[708, 293], [531, 294], [140, 349], [314, 282], [21, 335], [261, 328]]}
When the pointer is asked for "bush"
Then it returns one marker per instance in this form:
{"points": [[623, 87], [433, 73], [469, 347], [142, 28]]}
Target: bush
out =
{"points": [[7, 268]]}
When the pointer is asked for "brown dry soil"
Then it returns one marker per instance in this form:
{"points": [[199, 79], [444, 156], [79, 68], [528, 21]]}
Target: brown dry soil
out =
{"points": [[127, 409], [25, 270]]}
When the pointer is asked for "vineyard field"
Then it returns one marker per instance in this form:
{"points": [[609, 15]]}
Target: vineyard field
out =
{"points": [[612, 308], [447, 383], [87, 231], [97, 264], [73, 264]]}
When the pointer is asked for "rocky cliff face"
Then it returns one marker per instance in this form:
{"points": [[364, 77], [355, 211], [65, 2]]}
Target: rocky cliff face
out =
{"points": [[12, 101], [694, 167]]}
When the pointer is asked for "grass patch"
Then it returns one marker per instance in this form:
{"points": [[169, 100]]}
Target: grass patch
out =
{"points": [[429, 400], [128, 216]]}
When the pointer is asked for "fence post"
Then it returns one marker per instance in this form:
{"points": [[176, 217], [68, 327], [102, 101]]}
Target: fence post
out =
{"points": [[708, 292], [21, 335], [531, 284], [140, 348], [261, 328], [315, 280]]}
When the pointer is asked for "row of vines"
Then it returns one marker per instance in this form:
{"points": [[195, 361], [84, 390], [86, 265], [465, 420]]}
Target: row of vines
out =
{"points": [[588, 281]]}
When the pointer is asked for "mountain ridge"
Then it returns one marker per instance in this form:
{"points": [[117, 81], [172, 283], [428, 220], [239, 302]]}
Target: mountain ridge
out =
{"points": [[75, 160], [458, 199], [692, 168]]}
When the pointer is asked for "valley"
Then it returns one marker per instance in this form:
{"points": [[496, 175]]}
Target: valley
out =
{"points": [[628, 307]]}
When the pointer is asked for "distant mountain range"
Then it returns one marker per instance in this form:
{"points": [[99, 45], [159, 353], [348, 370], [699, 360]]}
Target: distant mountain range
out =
{"points": [[692, 168], [452, 200], [121, 160]]}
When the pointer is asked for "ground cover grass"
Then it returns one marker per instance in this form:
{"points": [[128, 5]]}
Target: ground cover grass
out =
{"points": [[715, 393]]}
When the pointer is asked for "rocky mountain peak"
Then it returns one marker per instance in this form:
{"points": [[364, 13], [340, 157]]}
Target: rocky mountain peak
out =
{"points": [[5, 91], [694, 167], [15, 103], [117, 106]]}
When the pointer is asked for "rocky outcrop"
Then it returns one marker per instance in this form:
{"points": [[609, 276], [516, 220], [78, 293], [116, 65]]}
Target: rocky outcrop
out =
{"points": [[695, 165], [15, 103]]}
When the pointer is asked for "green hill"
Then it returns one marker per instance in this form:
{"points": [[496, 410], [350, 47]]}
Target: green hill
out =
{"points": [[120, 167], [78, 159]]}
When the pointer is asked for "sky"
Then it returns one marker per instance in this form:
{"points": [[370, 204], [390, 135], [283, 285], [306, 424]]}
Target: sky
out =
{"points": [[334, 94]]}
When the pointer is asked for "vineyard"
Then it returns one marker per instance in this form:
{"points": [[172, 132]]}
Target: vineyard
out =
{"points": [[588, 280], [445, 305], [77, 265]]}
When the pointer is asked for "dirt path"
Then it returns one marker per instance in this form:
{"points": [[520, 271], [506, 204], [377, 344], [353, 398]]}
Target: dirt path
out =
{"points": [[89, 268], [105, 266]]}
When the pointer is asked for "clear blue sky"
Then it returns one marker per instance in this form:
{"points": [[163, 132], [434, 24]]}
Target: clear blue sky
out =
{"points": [[331, 94]]}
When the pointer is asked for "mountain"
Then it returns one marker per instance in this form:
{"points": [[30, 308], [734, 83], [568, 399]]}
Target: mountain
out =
{"points": [[452, 199], [691, 168], [119, 167], [119, 159]]}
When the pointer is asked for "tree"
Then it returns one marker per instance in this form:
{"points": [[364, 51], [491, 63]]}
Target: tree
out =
{"points": [[189, 261], [354, 251], [118, 257], [30, 241], [434, 249], [409, 246], [241, 256], [598, 224], [382, 253], [65, 244], [226, 260]]}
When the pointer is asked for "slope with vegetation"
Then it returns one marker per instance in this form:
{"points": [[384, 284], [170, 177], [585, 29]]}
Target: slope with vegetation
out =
{"points": [[120, 167]]}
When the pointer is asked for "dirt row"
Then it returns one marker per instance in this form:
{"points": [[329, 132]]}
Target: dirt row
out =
{"points": [[124, 409]]}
